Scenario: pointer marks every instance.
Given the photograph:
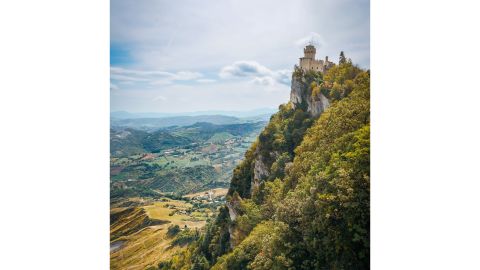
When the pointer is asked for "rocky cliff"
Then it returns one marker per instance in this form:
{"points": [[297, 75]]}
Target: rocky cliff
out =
{"points": [[260, 171], [274, 149], [300, 97], [301, 94]]}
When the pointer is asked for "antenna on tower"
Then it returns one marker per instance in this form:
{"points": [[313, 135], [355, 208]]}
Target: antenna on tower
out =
{"points": [[310, 42]]}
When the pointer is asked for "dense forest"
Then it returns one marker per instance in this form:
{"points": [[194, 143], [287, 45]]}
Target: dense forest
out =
{"points": [[300, 198]]}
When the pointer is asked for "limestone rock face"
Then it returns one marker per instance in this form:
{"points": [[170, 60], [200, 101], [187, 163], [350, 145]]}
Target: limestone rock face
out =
{"points": [[260, 172], [233, 206], [318, 105], [296, 92], [300, 93], [231, 211]]}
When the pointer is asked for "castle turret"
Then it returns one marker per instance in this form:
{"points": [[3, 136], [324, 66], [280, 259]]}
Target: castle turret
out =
{"points": [[308, 61], [309, 52]]}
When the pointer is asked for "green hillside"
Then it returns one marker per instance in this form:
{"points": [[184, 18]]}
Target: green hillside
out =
{"points": [[128, 141], [220, 137], [300, 197], [176, 159]]}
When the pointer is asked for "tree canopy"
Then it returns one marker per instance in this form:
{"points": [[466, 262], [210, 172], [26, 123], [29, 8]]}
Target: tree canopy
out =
{"points": [[313, 210]]}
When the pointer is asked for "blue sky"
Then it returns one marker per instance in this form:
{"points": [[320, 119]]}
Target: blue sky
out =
{"points": [[183, 56]]}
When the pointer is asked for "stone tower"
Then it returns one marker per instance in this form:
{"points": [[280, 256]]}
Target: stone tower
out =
{"points": [[308, 61], [309, 52]]}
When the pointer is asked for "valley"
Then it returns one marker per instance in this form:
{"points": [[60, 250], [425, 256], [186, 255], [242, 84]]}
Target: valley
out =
{"points": [[166, 184], [177, 160]]}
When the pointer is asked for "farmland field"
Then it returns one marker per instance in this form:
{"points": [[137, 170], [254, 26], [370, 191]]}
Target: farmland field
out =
{"points": [[150, 244], [177, 160]]}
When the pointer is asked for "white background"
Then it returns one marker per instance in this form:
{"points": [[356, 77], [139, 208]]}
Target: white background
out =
{"points": [[54, 109]]}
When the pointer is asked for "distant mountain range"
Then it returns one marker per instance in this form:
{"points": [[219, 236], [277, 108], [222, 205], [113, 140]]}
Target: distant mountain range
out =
{"points": [[238, 114], [150, 124], [155, 121]]}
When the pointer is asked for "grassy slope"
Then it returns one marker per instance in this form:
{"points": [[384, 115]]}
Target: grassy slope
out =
{"points": [[142, 249], [147, 245]]}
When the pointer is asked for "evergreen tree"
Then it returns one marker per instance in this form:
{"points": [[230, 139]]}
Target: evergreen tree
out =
{"points": [[342, 60]]}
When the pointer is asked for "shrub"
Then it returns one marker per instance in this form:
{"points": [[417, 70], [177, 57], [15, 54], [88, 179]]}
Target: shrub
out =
{"points": [[173, 230]]}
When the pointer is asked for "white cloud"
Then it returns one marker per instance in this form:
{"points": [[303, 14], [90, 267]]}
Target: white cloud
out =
{"points": [[264, 80], [283, 76], [260, 74], [152, 77], [123, 78], [187, 75], [206, 81], [124, 71], [161, 82], [244, 69]]}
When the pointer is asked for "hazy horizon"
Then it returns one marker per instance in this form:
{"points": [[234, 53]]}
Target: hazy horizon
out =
{"points": [[230, 113], [249, 110]]}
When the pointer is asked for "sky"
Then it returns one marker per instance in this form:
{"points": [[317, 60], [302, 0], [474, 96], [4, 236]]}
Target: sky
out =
{"points": [[231, 55]]}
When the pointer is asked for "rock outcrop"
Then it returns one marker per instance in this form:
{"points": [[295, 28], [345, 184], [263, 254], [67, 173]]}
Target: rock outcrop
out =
{"points": [[301, 93], [231, 211], [233, 206], [260, 172]]}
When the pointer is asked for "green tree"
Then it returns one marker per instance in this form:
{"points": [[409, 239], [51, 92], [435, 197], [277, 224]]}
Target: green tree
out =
{"points": [[342, 59]]}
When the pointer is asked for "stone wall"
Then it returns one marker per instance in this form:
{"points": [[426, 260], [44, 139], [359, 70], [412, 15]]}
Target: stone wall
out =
{"points": [[311, 64]]}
